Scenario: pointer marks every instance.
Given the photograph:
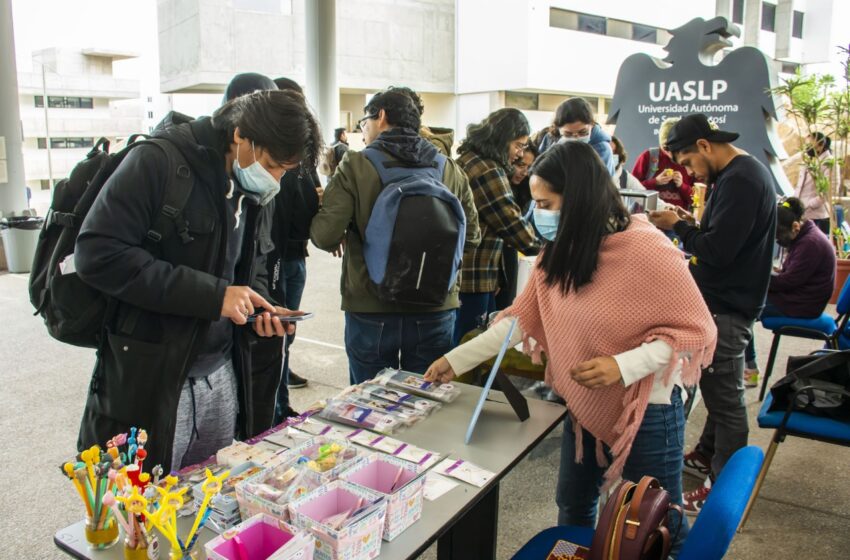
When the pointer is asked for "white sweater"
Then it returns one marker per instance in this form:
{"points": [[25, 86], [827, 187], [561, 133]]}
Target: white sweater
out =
{"points": [[648, 358]]}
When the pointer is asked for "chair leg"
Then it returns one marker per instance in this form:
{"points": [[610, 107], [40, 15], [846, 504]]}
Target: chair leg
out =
{"points": [[768, 458], [774, 347]]}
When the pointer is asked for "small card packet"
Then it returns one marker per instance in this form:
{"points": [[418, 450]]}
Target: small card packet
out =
{"points": [[465, 471]]}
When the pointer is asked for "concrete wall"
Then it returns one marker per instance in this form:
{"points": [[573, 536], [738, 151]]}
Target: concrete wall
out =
{"points": [[203, 43], [517, 49]]}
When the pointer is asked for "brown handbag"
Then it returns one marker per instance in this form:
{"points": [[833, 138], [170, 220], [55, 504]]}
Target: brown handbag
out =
{"points": [[633, 525]]}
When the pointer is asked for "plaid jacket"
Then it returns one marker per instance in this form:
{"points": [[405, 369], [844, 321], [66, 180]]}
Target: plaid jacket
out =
{"points": [[500, 220]]}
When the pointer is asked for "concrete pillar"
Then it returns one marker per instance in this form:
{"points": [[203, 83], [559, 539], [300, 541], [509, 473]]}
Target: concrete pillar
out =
{"points": [[13, 193], [784, 24], [322, 89]]}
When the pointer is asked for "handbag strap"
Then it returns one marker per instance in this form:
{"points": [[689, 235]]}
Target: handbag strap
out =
{"points": [[633, 517]]}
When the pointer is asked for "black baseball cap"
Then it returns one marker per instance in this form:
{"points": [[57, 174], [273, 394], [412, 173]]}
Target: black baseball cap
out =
{"points": [[695, 127]]}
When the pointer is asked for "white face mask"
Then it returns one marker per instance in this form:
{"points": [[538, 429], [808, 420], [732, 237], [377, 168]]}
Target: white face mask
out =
{"points": [[582, 139], [256, 179]]}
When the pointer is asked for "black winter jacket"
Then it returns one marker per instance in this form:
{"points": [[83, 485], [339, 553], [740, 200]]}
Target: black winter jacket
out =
{"points": [[166, 294]]}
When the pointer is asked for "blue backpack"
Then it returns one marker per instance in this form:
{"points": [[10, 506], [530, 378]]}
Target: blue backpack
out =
{"points": [[415, 235]]}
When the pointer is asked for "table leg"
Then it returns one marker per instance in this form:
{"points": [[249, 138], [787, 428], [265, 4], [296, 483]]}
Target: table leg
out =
{"points": [[474, 535]]}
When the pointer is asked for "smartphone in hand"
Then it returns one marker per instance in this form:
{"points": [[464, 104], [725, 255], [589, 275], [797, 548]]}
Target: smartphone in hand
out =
{"points": [[283, 318]]}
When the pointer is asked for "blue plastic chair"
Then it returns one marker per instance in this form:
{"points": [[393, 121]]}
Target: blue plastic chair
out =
{"points": [[825, 328], [795, 423], [711, 534]]}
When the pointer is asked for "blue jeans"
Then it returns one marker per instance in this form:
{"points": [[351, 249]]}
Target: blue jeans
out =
{"points": [[473, 306], [769, 310], [293, 279], [657, 451], [374, 341]]}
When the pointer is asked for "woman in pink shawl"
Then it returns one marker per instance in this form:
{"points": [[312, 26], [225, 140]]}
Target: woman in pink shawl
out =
{"points": [[617, 358]]}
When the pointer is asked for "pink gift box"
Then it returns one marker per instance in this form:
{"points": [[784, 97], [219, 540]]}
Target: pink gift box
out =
{"points": [[360, 539], [404, 501], [261, 538]]}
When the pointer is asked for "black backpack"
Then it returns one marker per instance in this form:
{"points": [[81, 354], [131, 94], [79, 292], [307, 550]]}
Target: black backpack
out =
{"points": [[73, 311], [416, 232], [821, 383]]}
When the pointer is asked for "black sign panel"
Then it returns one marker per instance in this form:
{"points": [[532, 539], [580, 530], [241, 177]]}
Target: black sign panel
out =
{"points": [[735, 93]]}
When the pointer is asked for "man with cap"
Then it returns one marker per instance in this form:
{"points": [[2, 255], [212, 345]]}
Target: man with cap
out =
{"points": [[732, 260]]}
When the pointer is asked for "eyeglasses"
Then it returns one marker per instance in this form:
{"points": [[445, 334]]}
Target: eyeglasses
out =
{"points": [[364, 119]]}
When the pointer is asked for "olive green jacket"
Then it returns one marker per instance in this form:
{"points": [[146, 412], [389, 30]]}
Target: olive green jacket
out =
{"points": [[346, 207]]}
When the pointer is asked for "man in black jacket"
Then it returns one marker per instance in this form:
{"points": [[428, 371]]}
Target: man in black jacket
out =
{"points": [[732, 259], [176, 358]]}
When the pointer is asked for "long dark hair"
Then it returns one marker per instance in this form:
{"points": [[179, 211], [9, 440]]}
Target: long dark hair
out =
{"points": [[278, 121], [574, 109], [489, 139], [590, 201]]}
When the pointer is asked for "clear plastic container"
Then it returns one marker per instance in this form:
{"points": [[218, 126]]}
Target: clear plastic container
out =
{"points": [[416, 384]]}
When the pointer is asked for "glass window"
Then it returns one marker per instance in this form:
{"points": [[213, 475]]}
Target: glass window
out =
{"points": [[797, 28], [72, 102], [58, 143], [55, 102], [86, 103], [42, 143], [644, 33], [592, 24], [39, 101], [768, 17], [150, 114], [522, 100], [45, 184], [738, 11], [789, 68], [563, 19]]}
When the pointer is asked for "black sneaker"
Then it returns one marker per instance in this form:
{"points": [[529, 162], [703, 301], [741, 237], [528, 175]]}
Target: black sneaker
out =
{"points": [[295, 381]]}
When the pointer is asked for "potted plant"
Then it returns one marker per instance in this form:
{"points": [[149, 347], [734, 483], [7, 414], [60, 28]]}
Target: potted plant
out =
{"points": [[819, 103]]}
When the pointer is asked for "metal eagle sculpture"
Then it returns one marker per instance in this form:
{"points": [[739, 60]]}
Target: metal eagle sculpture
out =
{"points": [[735, 93]]}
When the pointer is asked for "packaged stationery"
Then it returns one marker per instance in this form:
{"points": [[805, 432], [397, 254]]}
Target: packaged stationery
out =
{"points": [[401, 483], [261, 538], [224, 507], [465, 471], [270, 491], [416, 384], [348, 413], [316, 427], [346, 520], [397, 448], [396, 396], [407, 416]]}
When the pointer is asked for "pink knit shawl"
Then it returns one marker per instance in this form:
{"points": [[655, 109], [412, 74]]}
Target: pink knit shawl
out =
{"points": [[641, 291]]}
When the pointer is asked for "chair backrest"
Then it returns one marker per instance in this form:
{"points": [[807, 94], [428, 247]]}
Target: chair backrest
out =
{"points": [[843, 303], [718, 521]]}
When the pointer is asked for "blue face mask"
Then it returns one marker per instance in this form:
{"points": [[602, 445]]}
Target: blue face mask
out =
{"points": [[255, 179], [546, 222]]}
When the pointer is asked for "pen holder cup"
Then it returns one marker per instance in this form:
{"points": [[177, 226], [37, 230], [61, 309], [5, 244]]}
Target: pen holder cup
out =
{"points": [[101, 535]]}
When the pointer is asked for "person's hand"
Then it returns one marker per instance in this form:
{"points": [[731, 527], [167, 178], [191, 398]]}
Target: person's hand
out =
{"points": [[240, 302], [440, 371], [597, 373], [677, 179], [338, 252], [685, 215], [321, 192], [663, 178], [664, 219], [267, 326]]}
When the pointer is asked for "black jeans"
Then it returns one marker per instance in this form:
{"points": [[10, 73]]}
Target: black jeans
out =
{"points": [[722, 387]]}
